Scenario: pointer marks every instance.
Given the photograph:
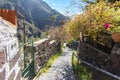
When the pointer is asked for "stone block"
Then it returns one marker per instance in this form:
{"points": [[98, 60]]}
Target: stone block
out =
{"points": [[44, 50], [18, 77], [2, 58], [2, 75], [12, 76], [13, 61], [115, 60]]}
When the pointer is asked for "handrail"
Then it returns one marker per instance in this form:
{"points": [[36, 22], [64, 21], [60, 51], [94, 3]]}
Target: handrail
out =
{"points": [[101, 70], [97, 68], [97, 50]]}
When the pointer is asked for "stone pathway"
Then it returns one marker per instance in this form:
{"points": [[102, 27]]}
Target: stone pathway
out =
{"points": [[61, 68]]}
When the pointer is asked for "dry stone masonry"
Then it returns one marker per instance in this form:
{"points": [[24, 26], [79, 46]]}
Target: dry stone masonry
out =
{"points": [[44, 49], [94, 56]]}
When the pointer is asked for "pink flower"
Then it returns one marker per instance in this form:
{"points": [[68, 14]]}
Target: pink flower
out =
{"points": [[92, 26], [107, 25]]}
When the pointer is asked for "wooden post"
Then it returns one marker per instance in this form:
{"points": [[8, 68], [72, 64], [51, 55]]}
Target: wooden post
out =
{"points": [[24, 36]]}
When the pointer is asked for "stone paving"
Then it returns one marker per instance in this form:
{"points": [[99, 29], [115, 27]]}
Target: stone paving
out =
{"points": [[61, 68]]}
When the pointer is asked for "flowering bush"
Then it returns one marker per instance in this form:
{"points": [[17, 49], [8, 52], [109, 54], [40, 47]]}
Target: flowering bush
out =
{"points": [[111, 28], [98, 17], [115, 25], [104, 17]]}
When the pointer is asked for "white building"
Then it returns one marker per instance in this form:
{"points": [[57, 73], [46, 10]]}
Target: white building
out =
{"points": [[9, 52]]}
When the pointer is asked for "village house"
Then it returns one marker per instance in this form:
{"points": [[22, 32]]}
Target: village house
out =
{"points": [[9, 50]]}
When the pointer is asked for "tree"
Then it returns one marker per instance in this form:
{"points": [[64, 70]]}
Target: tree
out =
{"points": [[53, 19]]}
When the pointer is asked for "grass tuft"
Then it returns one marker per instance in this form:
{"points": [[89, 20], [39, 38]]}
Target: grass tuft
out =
{"points": [[49, 63], [83, 72]]}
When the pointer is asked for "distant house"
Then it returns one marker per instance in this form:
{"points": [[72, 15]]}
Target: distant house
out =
{"points": [[9, 50]]}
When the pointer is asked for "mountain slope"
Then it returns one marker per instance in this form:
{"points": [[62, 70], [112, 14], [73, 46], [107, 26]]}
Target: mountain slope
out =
{"points": [[36, 12]]}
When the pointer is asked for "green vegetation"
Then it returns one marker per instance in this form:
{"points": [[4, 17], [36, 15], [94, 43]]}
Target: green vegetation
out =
{"points": [[98, 16], [70, 41], [49, 63], [74, 61], [82, 71]]}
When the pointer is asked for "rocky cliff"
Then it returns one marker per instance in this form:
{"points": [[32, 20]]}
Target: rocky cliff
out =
{"points": [[38, 14]]}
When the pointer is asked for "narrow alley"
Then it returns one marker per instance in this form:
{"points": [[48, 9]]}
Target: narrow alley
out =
{"points": [[61, 68]]}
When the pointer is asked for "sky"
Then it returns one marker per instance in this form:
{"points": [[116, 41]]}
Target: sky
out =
{"points": [[63, 6]]}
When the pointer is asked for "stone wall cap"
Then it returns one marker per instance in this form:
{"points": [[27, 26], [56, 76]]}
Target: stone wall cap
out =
{"points": [[53, 41], [40, 41]]}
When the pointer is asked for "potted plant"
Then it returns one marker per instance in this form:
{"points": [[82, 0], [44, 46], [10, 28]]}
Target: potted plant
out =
{"points": [[114, 30], [116, 34], [114, 27], [116, 37]]}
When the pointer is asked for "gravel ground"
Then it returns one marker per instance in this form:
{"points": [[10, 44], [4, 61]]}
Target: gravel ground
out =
{"points": [[61, 68]]}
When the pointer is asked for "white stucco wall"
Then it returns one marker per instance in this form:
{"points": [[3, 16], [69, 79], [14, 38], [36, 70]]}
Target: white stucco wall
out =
{"points": [[9, 43]]}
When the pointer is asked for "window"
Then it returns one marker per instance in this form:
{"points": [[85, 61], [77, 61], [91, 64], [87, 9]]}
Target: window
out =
{"points": [[13, 46]]}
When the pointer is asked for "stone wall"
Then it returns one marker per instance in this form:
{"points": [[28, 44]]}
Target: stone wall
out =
{"points": [[44, 49], [97, 74], [2, 58], [2, 74], [9, 69], [100, 59]]}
